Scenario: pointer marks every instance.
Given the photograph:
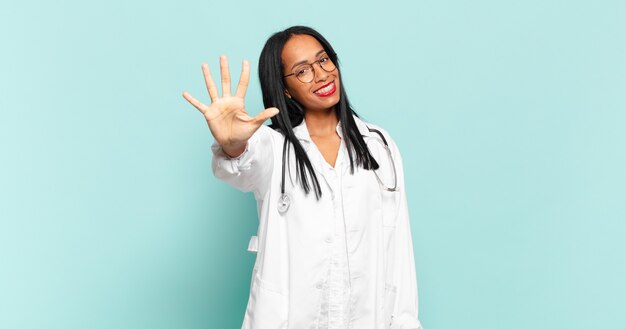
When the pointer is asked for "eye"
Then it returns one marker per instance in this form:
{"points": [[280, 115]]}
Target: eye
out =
{"points": [[303, 71], [324, 59]]}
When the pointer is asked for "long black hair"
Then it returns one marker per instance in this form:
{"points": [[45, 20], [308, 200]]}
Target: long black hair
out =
{"points": [[292, 113]]}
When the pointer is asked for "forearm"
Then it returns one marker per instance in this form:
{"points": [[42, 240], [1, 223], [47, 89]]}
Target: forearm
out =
{"points": [[247, 169]]}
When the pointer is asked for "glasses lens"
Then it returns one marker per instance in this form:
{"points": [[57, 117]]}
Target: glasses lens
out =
{"points": [[305, 74], [327, 64]]}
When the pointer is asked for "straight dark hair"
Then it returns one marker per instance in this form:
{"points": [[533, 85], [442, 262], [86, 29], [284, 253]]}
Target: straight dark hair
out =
{"points": [[271, 75]]}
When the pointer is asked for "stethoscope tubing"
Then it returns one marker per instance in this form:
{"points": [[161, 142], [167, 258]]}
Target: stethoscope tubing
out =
{"points": [[284, 201]]}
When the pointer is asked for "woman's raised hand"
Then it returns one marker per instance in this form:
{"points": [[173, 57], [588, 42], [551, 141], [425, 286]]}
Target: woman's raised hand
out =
{"points": [[227, 118]]}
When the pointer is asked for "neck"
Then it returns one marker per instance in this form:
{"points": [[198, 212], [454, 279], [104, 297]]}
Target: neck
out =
{"points": [[321, 123]]}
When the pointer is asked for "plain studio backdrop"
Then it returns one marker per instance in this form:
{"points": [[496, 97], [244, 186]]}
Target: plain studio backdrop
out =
{"points": [[510, 115]]}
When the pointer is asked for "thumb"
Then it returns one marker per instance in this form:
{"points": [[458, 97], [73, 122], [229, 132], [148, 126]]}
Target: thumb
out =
{"points": [[266, 114]]}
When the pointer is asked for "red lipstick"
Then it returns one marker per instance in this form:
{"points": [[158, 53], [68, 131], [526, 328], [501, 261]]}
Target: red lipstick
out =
{"points": [[326, 93]]}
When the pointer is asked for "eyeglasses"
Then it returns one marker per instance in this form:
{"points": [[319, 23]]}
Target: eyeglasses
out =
{"points": [[305, 73]]}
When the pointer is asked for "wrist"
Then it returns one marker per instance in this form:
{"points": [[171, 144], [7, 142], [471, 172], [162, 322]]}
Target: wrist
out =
{"points": [[234, 150]]}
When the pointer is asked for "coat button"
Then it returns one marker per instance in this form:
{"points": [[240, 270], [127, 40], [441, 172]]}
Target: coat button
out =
{"points": [[319, 285], [329, 240]]}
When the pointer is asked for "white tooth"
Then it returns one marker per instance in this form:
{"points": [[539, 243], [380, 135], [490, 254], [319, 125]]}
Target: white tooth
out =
{"points": [[325, 89]]}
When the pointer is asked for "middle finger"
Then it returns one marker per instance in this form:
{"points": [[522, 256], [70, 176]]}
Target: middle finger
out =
{"points": [[225, 76], [243, 80]]}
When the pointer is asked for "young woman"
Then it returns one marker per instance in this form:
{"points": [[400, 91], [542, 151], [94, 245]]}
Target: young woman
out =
{"points": [[334, 247]]}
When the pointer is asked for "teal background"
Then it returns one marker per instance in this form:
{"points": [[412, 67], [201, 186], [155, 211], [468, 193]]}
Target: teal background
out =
{"points": [[510, 116]]}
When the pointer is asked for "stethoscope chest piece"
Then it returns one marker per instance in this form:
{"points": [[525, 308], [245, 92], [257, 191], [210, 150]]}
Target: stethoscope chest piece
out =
{"points": [[283, 203]]}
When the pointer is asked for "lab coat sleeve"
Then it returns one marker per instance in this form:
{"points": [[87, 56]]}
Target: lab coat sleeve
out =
{"points": [[406, 306], [250, 171]]}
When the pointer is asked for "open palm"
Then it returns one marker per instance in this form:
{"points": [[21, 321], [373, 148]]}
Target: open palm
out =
{"points": [[227, 118]]}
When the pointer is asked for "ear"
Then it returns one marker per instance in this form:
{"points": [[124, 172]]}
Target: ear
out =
{"points": [[287, 93]]}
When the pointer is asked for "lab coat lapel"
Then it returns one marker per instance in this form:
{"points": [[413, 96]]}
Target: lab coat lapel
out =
{"points": [[363, 130], [317, 160], [302, 133]]}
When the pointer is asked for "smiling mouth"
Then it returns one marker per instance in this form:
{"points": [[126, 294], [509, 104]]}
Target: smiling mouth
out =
{"points": [[326, 90]]}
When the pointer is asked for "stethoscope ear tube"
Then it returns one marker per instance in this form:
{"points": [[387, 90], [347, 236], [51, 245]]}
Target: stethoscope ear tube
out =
{"points": [[395, 177], [394, 188]]}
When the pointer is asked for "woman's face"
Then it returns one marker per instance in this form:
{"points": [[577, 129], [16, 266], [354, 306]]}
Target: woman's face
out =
{"points": [[322, 93]]}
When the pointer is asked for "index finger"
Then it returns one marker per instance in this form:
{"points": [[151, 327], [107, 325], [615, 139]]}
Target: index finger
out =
{"points": [[210, 84], [244, 79]]}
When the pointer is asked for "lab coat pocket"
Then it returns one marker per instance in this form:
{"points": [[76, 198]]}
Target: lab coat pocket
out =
{"points": [[267, 306], [389, 302]]}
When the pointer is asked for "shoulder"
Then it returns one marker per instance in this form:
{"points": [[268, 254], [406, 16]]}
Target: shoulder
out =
{"points": [[372, 130]]}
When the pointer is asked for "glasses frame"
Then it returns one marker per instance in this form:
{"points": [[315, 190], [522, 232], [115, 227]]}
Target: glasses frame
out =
{"points": [[318, 62]]}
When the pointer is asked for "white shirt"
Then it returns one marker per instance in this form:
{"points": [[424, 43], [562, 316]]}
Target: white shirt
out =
{"points": [[335, 306], [349, 254]]}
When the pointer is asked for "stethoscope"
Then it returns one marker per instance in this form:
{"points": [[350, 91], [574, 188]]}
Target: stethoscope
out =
{"points": [[285, 201]]}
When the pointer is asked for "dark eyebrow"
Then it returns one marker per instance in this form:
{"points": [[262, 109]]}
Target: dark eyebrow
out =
{"points": [[304, 62]]}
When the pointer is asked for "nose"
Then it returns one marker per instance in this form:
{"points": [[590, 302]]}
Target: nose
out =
{"points": [[320, 73]]}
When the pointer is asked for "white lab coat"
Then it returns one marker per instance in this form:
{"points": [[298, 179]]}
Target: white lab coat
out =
{"points": [[293, 248]]}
